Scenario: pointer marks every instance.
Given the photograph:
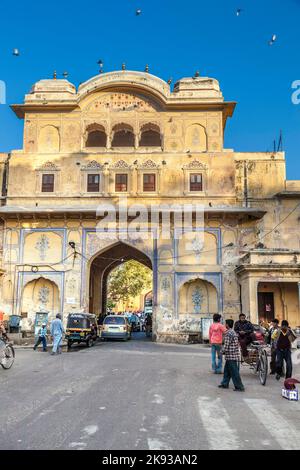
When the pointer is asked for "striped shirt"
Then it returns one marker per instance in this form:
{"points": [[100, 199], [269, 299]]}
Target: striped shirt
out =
{"points": [[231, 346]]}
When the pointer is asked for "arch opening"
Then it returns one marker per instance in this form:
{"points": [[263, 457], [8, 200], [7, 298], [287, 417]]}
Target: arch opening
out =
{"points": [[95, 136], [119, 283], [150, 136], [123, 136]]}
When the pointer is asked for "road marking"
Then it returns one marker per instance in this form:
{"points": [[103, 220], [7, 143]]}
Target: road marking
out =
{"points": [[157, 444], [158, 399], [80, 445], [216, 422], [91, 429], [283, 431]]}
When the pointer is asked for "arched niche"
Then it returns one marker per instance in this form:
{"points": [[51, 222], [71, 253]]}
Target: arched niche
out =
{"points": [[198, 297], [196, 138], [40, 295], [49, 139], [198, 247]]}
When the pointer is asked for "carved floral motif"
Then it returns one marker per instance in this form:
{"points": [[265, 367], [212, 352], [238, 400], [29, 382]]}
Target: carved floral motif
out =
{"points": [[195, 165], [42, 245]]}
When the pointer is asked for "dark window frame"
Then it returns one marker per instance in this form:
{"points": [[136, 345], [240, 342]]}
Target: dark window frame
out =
{"points": [[150, 186], [48, 187], [196, 186], [121, 187], [92, 186]]}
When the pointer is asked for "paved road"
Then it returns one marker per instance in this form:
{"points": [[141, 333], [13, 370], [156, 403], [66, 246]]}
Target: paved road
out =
{"points": [[138, 395]]}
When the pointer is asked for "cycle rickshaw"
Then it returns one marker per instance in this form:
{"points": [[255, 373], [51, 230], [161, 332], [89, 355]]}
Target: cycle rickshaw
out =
{"points": [[257, 360]]}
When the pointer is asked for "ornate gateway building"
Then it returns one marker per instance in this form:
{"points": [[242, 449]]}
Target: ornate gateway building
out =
{"points": [[127, 134]]}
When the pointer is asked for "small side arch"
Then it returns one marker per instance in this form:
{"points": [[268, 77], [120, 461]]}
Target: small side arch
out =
{"points": [[198, 296], [49, 139], [196, 138]]}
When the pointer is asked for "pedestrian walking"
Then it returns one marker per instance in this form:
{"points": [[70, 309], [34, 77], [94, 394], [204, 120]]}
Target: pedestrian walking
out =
{"points": [[232, 358], [57, 331], [42, 337], [284, 338], [271, 340], [216, 332]]}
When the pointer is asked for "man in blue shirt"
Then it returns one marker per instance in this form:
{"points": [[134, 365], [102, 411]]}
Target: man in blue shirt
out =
{"points": [[57, 331], [42, 337]]}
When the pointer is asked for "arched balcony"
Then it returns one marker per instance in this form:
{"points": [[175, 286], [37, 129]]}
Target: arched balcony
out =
{"points": [[150, 136], [95, 136], [123, 136]]}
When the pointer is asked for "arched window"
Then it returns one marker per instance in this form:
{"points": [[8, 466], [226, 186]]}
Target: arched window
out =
{"points": [[150, 136], [123, 136], [96, 136]]}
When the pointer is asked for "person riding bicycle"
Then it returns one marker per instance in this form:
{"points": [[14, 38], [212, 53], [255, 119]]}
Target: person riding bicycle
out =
{"points": [[245, 331]]}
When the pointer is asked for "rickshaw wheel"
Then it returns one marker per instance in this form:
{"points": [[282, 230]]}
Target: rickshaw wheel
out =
{"points": [[263, 367], [8, 357], [89, 343]]}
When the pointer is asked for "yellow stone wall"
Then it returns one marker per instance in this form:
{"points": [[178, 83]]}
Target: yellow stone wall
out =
{"points": [[191, 120]]}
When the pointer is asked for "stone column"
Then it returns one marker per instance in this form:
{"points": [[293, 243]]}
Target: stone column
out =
{"points": [[249, 298]]}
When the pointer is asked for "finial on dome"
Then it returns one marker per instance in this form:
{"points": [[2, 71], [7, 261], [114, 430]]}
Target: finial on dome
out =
{"points": [[147, 68], [54, 75]]}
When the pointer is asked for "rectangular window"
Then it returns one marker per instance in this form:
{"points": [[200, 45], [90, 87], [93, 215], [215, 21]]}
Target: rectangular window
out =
{"points": [[93, 183], [149, 182], [195, 182], [47, 183], [121, 182]]}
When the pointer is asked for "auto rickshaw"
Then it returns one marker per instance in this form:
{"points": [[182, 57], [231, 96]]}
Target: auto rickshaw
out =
{"points": [[81, 328]]}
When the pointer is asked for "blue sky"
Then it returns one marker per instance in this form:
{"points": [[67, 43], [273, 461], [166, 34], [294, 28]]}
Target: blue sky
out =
{"points": [[206, 36]]}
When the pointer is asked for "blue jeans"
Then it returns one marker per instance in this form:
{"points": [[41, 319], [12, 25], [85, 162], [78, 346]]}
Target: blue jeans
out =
{"points": [[216, 350], [56, 343], [41, 339], [231, 371]]}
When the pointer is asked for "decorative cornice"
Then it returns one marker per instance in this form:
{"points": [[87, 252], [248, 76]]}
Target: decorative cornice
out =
{"points": [[92, 165], [48, 166], [195, 165], [120, 165], [148, 165]]}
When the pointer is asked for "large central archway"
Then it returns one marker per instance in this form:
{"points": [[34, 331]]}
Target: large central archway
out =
{"points": [[101, 266]]}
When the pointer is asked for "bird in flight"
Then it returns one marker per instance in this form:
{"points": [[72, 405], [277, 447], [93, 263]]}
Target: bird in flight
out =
{"points": [[272, 40], [239, 11], [16, 52], [138, 12]]}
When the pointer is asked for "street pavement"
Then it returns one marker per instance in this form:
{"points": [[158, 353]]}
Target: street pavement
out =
{"points": [[139, 395]]}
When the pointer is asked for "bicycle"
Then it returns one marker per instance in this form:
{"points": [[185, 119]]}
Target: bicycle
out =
{"points": [[257, 360], [7, 354]]}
